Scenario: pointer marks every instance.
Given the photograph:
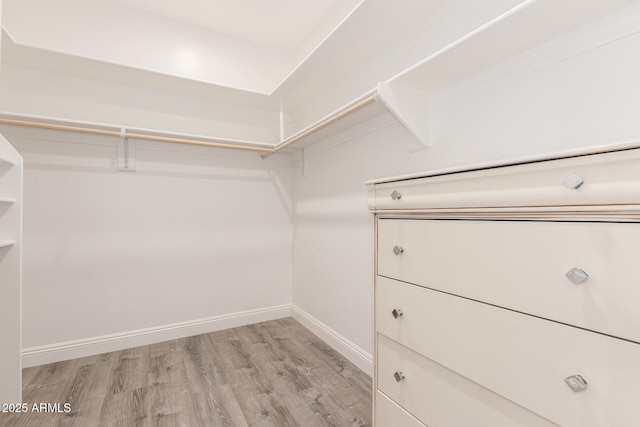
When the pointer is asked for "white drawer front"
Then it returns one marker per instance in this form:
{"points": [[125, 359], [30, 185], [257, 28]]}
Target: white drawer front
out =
{"points": [[610, 178], [389, 414], [522, 265], [440, 397], [523, 358]]}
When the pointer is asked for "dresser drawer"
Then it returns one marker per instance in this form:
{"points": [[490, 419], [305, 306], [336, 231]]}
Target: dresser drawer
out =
{"points": [[522, 265], [523, 358], [610, 178], [440, 397], [389, 414]]}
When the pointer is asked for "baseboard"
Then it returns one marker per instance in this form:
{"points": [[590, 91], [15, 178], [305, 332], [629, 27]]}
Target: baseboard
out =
{"points": [[58, 352], [41, 355], [349, 350]]}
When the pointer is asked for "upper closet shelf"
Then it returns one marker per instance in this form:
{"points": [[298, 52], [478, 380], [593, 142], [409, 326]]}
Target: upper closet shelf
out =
{"points": [[405, 95], [524, 27]]}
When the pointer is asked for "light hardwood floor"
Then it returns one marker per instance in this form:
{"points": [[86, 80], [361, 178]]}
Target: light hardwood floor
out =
{"points": [[274, 373]]}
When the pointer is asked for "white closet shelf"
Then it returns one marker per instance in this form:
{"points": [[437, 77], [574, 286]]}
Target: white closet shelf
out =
{"points": [[7, 200], [408, 106], [522, 28], [7, 243], [405, 95]]}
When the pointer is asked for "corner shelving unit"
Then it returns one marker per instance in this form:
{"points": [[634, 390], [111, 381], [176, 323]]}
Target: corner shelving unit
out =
{"points": [[11, 166]]}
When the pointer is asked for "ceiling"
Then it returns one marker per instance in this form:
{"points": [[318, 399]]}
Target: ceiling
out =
{"points": [[280, 24], [251, 45]]}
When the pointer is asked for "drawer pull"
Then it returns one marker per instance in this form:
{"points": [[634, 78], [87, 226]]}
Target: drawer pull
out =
{"points": [[399, 376], [573, 181], [397, 313], [576, 383], [397, 250], [396, 195], [577, 275]]}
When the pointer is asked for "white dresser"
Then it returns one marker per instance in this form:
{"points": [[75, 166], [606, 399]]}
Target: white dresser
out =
{"points": [[509, 294]]}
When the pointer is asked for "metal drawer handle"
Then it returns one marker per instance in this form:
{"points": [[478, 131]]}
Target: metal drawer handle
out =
{"points": [[573, 181], [576, 383], [398, 250], [397, 313], [396, 195], [399, 376], [577, 275]]}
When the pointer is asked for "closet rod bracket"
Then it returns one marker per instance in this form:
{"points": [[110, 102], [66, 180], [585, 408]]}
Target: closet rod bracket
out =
{"points": [[411, 108], [299, 160], [126, 153]]}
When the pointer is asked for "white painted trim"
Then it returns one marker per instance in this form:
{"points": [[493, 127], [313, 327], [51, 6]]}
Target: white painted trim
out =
{"points": [[342, 345], [51, 353], [35, 356]]}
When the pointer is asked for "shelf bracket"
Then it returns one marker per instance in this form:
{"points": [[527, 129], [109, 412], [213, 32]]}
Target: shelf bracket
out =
{"points": [[411, 109], [126, 153], [299, 159]]}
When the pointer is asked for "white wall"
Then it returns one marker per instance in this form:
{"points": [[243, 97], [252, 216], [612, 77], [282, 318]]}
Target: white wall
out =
{"points": [[193, 234], [580, 90]]}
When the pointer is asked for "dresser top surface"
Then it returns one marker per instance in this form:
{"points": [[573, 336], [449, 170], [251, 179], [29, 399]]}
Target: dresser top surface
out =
{"points": [[618, 146]]}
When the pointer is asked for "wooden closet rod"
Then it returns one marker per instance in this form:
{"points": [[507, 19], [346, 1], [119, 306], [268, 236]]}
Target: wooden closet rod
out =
{"points": [[141, 136], [335, 116], [350, 108]]}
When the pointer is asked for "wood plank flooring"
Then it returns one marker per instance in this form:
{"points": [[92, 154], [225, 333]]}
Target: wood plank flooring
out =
{"points": [[274, 373]]}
